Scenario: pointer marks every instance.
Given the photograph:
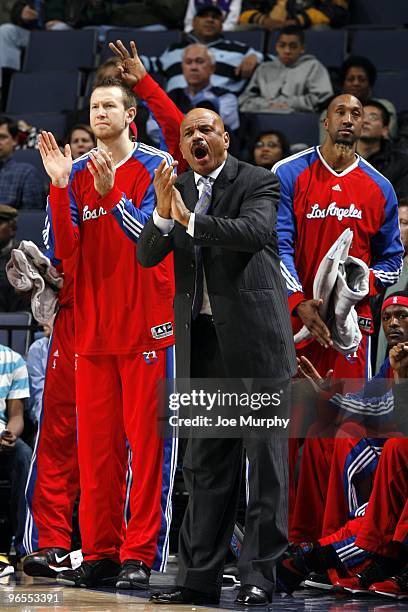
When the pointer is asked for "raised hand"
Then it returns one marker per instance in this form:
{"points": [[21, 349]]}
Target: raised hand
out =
{"points": [[131, 68], [164, 179], [308, 311], [399, 360], [307, 370], [58, 164], [103, 170]]}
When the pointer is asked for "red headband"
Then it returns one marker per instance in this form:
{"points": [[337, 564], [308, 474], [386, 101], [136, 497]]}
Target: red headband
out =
{"points": [[399, 300]]}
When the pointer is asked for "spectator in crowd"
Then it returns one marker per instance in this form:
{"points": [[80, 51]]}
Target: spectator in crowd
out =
{"points": [[269, 148], [14, 452], [294, 82], [37, 358], [230, 9], [275, 14], [21, 185], [198, 66], [24, 17], [357, 77], [375, 146], [235, 61], [401, 285], [10, 301], [81, 139]]}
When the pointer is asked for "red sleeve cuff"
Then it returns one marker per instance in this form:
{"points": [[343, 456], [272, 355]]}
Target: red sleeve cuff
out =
{"points": [[295, 299], [59, 196], [111, 199]]}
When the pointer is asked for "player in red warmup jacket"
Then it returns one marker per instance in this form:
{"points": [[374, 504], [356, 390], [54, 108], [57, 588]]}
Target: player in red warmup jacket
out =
{"points": [[124, 340], [54, 478], [325, 190]]}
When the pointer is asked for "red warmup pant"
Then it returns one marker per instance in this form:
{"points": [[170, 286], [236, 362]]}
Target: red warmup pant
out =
{"points": [[386, 517], [307, 512], [117, 401], [53, 483]]}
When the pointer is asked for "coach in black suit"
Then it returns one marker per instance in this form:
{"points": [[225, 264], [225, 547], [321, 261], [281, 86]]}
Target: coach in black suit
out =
{"points": [[241, 328]]}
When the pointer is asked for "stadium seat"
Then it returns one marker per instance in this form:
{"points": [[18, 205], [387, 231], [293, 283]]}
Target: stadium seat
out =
{"points": [[33, 157], [252, 38], [42, 92], [297, 127], [30, 225], [66, 50], [148, 43], [393, 12], [387, 49], [52, 122], [394, 87], [329, 46], [20, 339]]}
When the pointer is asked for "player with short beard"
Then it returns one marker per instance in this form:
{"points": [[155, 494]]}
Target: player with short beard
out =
{"points": [[314, 183]]}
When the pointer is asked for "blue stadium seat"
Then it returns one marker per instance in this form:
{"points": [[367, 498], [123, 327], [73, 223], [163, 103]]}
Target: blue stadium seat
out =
{"points": [[64, 50], [33, 157], [393, 12], [387, 49], [394, 87], [52, 122], [252, 38], [30, 225], [42, 92], [20, 339], [297, 127], [147, 43], [329, 46]]}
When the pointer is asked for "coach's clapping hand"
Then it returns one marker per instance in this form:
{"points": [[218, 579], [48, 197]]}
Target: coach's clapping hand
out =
{"points": [[102, 168], [131, 68], [58, 164], [164, 179]]}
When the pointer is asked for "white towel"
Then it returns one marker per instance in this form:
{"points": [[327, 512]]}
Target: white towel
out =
{"points": [[30, 270], [341, 281]]}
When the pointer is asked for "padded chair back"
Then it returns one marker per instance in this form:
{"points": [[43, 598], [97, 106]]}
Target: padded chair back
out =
{"points": [[30, 225], [18, 340], [42, 92], [63, 50], [387, 49], [147, 43]]}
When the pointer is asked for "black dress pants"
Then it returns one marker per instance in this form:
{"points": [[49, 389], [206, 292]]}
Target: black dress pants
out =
{"points": [[212, 471]]}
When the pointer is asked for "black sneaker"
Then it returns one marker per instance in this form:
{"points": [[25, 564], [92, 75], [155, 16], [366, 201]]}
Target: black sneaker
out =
{"points": [[47, 562], [292, 569], [100, 573], [319, 581], [134, 575]]}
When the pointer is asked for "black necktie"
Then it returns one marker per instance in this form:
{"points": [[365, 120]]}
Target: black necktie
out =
{"points": [[202, 206]]}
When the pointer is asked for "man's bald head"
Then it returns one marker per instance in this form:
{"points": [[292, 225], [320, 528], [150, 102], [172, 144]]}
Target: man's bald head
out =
{"points": [[203, 140]]}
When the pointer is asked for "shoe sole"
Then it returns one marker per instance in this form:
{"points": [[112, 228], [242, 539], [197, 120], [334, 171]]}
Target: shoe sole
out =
{"points": [[108, 582], [399, 597], [355, 591], [7, 571], [317, 585], [38, 570], [128, 585]]}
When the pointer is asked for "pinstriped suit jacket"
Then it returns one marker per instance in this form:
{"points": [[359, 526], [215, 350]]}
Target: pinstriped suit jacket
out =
{"points": [[240, 256]]}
